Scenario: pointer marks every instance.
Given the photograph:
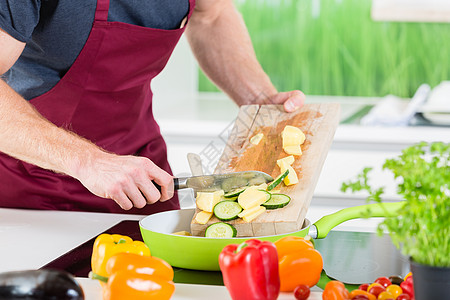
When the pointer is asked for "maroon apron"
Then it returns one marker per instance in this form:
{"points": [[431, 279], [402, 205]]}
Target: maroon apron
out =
{"points": [[106, 98]]}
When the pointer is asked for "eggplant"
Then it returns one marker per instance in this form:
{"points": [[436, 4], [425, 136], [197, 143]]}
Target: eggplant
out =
{"points": [[44, 284]]}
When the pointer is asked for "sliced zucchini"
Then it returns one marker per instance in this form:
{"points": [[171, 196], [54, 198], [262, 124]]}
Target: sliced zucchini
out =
{"points": [[235, 192], [277, 201], [227, 210], [268, 195], [220, 230], [278, 180]]}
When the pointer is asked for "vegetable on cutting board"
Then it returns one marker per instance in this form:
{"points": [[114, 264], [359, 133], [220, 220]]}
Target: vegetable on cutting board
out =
{"points": [[252, 197], [39, 284], [207, 200], [250, 214], [227, 210], [203, 217], [256, 138], [292, 138], [278, 180], [220, 230], [291, 177], [289, 160], [250, 270], [277, 201]]}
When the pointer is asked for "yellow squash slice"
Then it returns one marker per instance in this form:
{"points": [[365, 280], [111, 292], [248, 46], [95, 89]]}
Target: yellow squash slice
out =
{"points": [[207, 200]]}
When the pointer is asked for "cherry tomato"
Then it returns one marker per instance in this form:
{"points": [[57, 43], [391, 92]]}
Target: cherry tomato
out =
{"points": [[360, 297], [394, 289], [358, 292], [396, 279], [376, 290], [403, 297], [384, 281], [407, 275], [372, 285], [302, 292], [363, 287], [385, 296], [408, 286]]}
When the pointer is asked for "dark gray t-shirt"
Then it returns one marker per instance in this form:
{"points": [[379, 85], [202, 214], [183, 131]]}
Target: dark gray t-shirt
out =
{"points": [[56, 30]]}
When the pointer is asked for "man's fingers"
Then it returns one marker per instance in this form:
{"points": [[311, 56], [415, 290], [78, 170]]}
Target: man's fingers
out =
{"points": [[163, 179], [135, 196], [294, 101], [291, 101], [150, 192], [167, 188], [122, 200]]}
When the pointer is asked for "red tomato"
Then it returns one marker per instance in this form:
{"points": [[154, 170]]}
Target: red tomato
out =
{"points": [[384, 281], [376, 290], [302, 292], [363, 287], [403, 297], [360, 297]]}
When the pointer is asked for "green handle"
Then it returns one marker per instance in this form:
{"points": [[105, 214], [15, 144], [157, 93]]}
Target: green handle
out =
{"points": [[326, 223]]}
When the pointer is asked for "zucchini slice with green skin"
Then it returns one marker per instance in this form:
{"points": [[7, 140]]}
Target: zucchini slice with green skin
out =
{"points": [[277, 201], [227, 210], [268, 195], [220, 230], [235, 192], [278, 180]]}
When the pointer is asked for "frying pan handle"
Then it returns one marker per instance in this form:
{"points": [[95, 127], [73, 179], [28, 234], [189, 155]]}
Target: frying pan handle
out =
{"points": [[322, 227]]}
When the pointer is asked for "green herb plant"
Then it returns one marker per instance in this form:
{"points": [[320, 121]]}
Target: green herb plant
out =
{"points": [[421, 229]]}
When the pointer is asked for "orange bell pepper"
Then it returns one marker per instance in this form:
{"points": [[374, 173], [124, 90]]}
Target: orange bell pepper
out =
{"points": [[299, 263], [140, 264], [133, 276], [128, 284], [335, 290]]}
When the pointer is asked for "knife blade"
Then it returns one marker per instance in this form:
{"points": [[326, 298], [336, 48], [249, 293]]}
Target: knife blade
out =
{"points": [[226, 182]]}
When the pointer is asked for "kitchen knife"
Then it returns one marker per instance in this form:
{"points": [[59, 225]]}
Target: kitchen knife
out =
{"points": [[226, 182]]}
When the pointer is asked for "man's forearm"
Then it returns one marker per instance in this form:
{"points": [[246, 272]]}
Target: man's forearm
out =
{"points": [[26, 135], [222, 46]]}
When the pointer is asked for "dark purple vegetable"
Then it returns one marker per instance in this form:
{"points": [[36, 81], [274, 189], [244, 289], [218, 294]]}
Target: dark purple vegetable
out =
{"points": [[46, 284], [395, 279]]}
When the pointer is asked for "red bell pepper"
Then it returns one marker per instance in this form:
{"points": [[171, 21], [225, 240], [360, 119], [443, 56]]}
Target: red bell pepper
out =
{"points": [[250, 270]]}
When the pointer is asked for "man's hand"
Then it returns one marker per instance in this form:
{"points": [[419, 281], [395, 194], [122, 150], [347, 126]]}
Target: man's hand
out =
{"points": [[291, 101], [128, 180]]}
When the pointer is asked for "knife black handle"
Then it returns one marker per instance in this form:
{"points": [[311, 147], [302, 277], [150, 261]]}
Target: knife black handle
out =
{"points": [[176, 184]]}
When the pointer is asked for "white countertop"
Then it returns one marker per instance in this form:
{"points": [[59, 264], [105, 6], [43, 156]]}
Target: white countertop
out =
{"points": [[92, 291]]}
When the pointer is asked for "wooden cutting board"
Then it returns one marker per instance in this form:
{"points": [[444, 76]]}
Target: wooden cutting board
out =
{"points": [[317, 121]]}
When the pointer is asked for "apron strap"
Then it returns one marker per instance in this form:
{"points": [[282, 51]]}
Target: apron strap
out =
{"points": [[101, 12], [191, 8]]}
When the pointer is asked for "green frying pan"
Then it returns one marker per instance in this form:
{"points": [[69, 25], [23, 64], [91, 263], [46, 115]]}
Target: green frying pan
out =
{"points": [[201, 253]]}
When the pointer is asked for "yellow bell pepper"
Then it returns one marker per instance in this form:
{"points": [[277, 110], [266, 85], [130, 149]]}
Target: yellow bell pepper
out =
{"points": [[106, 245]]}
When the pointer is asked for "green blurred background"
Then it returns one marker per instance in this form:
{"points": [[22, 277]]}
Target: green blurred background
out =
{"points": [[333, 47]]}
